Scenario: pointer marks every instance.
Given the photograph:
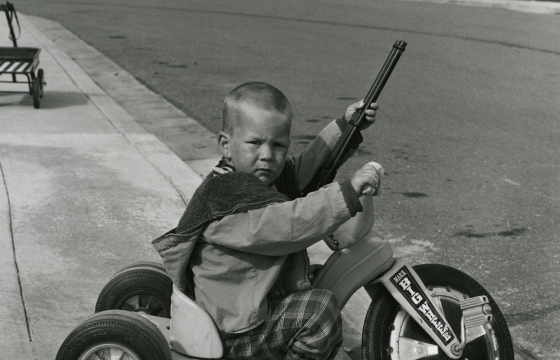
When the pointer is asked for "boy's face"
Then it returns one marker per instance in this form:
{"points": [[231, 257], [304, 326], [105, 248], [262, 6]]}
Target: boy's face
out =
{"points": [[259, 142]]}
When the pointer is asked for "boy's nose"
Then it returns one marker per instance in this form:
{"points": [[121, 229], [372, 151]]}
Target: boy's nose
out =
{"points": [[265, 153]]}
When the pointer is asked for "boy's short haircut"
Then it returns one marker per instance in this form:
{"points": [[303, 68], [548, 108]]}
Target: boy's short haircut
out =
{"points": [[259, 94]]}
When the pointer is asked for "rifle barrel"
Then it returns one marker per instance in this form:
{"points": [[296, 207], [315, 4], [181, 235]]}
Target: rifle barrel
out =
{"points": [[327, 173]]}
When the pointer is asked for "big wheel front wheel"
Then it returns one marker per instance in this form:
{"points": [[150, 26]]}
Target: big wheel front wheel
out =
{"points": [[391, 334]]}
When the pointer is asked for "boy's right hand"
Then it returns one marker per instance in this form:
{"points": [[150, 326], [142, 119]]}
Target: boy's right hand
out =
{"points": [[367, 179]]}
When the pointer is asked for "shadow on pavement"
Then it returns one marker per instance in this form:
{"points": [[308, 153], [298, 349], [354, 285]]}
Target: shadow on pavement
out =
{"points": [[50, 100]]}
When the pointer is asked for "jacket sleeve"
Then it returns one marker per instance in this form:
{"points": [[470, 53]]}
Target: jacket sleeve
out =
{"points": [[287, 227], [308, 162]]}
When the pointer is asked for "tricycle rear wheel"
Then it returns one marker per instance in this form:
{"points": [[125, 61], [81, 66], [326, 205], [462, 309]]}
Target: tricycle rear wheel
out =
{"points": [[115, 334], [143, 265], [141, 287], [387, 324]]}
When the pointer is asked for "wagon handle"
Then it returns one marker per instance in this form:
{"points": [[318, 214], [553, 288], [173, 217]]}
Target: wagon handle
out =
{"points": [[10, 11]]}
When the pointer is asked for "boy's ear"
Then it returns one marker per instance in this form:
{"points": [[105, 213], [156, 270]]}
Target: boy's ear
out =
{"points": [[223, 144]]}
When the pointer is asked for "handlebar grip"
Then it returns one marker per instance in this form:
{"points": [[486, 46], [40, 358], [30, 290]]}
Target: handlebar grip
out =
{"points": [[369, 190]]}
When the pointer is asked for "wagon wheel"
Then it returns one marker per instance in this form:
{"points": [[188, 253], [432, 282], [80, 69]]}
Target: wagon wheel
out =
{"points": [[38, 88], [36, 93], [42, 83], [30, 79]]}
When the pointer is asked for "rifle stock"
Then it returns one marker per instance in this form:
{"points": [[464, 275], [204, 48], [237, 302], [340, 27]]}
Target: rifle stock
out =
{"points": [[327, 172]]}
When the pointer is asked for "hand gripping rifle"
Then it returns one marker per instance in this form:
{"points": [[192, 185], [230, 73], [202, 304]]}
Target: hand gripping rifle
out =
{"points": [[325, 175]]}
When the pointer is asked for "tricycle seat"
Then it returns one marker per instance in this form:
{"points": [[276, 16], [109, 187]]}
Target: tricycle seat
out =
{"points": [[193, 332]]}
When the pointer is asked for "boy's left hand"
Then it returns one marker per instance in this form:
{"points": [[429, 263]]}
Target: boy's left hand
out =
{"points": [[370, 113]]}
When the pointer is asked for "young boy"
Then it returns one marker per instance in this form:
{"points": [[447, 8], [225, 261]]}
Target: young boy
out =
{"points": [[243, 236]]}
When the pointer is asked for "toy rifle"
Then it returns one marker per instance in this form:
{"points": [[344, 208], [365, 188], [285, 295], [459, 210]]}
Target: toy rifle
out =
{"points": [[327, 172]]}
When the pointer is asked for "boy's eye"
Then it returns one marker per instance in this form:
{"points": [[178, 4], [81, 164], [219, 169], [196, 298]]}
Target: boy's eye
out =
{"points": [[254, 142]]}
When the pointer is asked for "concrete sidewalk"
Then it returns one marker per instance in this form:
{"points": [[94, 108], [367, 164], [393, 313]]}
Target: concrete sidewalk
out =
{"points": [[534, 7], [84, 189]]}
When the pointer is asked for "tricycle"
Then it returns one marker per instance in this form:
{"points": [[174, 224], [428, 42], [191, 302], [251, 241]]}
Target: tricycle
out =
{"points": [[427, 311]]}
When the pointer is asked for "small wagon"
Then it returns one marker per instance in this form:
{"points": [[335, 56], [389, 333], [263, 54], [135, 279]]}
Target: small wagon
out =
{"points": [[17, 61]]}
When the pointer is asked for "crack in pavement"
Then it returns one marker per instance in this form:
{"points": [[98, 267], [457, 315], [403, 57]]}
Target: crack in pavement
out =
{"points": [[10, 225]]}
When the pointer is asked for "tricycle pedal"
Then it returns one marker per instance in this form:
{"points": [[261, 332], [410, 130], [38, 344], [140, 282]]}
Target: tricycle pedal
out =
{"points": [[476, 314]]}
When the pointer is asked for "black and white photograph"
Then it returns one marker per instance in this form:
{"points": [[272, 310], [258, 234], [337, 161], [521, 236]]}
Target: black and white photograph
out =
{"points": [[279, 180]]}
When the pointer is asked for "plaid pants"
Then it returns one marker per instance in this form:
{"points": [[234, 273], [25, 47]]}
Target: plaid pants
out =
{"points": [[302, 325]]}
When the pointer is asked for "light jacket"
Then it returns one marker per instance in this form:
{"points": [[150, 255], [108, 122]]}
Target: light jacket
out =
{"points": [[239, 259]]}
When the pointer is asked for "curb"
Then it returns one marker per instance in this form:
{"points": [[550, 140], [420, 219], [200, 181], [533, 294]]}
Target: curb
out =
{"points": [[534, 7]]}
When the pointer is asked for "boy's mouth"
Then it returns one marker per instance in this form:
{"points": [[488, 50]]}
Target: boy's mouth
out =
{"points": [[266, 175]]}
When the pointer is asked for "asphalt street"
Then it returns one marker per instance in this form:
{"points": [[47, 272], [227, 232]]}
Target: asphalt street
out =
{"points": [[468, 129]]}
